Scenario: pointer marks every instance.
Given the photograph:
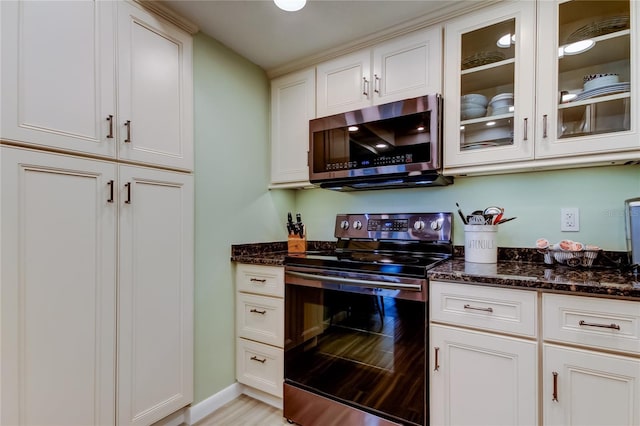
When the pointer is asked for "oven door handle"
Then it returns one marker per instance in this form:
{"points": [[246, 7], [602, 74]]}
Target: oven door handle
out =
{"points": [[355, 281]]}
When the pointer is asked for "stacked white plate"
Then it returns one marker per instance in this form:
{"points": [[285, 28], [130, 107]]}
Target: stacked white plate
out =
{"points": [[608, 89], [473, 105]]}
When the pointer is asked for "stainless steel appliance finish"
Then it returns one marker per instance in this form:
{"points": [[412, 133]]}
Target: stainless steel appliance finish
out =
{"points": [[394, 145], [356, 321], [632, 218]]}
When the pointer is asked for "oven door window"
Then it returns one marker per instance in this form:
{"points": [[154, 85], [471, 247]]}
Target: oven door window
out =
{"points": [[363, 349]]}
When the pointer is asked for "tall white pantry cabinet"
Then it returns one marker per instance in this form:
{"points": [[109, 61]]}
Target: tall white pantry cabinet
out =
{"points": [[96, 215]]}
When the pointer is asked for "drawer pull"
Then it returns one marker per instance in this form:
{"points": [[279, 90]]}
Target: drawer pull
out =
{"points": [[437, 364], [478, 309], [258, 280], [255, 311], [586, 324], [255, 358], [555, 386]]}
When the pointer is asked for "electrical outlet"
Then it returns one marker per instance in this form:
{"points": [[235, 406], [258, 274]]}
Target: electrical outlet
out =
{"points": [[570, 219]]}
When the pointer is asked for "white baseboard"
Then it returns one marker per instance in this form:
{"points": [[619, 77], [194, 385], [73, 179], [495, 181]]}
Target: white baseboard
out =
{"points": [[204, 408]]}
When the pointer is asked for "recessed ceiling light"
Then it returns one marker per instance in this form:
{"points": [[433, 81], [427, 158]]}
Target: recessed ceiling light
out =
{"points": [[506, 40], [381, 145], [420, 128], [353, 128], [491, 123], [290, 5], [578, 47]]}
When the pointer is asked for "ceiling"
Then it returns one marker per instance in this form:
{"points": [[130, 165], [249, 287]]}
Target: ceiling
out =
{"points": [[272, 38]]}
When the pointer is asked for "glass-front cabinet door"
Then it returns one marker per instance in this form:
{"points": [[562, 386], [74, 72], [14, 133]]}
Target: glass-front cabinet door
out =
{"points": [[489, 86], [587, 77]]}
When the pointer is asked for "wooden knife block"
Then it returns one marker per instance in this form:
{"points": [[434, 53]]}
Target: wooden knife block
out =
{"points": [[297, 244]]}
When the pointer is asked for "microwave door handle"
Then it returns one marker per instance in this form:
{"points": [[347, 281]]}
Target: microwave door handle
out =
{"points": [[359, 282]]}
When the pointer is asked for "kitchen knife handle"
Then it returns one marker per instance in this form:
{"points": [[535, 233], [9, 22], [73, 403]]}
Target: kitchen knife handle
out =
{"points": [[110, 120], [365, 87], [555, 386], [128, 186], [436, 362], [110, 199], [128, 126]]}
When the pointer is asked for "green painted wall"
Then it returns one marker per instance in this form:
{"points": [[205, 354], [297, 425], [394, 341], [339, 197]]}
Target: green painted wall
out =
{"points": [[233, 204], [534, 198]]}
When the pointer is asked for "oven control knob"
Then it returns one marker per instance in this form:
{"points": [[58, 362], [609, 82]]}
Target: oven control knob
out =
{"points": [[357, 224], [418, 225], [344, 224], [436, 225]]}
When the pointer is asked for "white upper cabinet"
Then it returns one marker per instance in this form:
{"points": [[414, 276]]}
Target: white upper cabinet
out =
{"points": [[478, 71], [293, 104], [155, 92], [404, 67], [537, 107], [60, 81], [591, 39], [58, 75]]}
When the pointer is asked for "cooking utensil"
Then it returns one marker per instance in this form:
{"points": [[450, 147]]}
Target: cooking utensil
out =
{"points": [[506, 220], [464, 220]]}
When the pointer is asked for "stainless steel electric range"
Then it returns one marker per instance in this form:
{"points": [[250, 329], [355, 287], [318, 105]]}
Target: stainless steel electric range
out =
{"points": [[356, 321]]}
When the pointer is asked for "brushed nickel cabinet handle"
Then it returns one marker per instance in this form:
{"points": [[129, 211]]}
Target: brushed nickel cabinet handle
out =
{"points": [[110, 183], [128, 125], [436, 366], [128, 186], [255, 358], [376, 83], [555, 386], [258, 312], [257, 280], [544, 126], [110, 120], [587, 324], [478, 309], [365, 86], [526, 129]]}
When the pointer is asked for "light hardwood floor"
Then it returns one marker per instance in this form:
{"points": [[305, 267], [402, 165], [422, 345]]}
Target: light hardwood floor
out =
{"points": [[244, 411]]}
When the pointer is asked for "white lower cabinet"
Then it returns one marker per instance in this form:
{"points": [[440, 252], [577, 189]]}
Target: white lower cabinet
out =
{"points": [[590, 385], [96, 296], [260, 327], [479, 377]]}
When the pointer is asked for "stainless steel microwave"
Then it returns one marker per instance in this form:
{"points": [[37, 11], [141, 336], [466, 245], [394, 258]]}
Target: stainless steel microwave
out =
{"points": [[394, 145]]}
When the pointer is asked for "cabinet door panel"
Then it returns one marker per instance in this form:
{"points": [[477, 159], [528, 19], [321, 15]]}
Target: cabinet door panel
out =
{"points": [[408, 66], [591, 388], [58, 290], [292, 106], [58, 77], [155, 90], [479, 378], [156, 294], [344, 84]]}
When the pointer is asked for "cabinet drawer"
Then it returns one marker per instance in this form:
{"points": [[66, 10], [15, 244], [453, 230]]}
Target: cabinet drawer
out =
{"points": [[487, 308], [260, 366], [589, 321], [259, 279], [260, 318]]}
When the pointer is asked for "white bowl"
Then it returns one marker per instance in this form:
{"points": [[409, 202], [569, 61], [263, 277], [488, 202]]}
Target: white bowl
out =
{"points": [[502, 100], [472, 112], [474, 99], [603, 80], [501, 110]]}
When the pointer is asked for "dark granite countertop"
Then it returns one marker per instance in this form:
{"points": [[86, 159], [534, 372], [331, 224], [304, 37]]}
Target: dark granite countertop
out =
{"points": [[611, 282], [514, 269]]}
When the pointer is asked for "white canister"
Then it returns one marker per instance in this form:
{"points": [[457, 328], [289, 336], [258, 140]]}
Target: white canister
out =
{"points": [[480, 245]]}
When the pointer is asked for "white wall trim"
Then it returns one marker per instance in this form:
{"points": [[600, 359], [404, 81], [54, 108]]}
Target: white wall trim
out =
{"points": [[204, 408], [267, 398]]}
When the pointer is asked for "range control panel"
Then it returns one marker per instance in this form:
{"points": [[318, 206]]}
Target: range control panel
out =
{"points": [[395, 226]]}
